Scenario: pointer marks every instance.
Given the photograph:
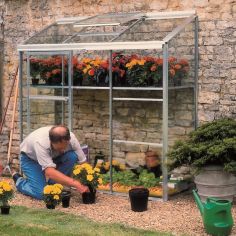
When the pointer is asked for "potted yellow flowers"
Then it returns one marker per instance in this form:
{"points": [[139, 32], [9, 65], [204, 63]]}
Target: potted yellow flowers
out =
{"points": [[6, 193], [52, 195], [87, 175]]}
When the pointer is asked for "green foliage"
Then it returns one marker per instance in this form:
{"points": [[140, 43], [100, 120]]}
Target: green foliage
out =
{"points": [[147, 179], [128, 178], [212, 143], [137, 76]]}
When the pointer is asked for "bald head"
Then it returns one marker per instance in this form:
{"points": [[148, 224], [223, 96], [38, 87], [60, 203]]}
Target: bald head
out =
{"points": [[59, 133]]}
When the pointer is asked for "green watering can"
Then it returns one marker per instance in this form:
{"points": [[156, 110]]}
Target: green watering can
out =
{"points": [[216, 215]]}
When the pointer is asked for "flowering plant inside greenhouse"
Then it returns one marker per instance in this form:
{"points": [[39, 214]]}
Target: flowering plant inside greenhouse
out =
{"points": [[6, 193], [127, 70], [105, 166], [52, 194], [87, 175]]}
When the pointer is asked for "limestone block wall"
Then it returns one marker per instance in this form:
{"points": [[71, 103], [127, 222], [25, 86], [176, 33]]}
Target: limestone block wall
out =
{"points": [[134, 121], [217, 53]]}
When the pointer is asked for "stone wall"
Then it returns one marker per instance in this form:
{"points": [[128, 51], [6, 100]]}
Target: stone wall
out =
{"points": [[217, 51]]}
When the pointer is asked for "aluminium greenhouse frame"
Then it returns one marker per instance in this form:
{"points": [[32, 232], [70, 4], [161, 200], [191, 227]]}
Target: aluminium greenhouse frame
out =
{"points": [[68, 48]]}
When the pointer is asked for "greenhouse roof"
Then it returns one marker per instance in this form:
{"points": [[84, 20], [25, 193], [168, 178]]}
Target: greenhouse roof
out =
{"points": [[110, 31]]}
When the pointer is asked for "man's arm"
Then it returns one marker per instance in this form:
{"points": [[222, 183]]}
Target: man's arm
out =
{"points": [[60, 178]]}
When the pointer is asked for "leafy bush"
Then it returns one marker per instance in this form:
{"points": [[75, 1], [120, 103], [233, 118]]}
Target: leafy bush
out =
{"points": [[213, 143]]}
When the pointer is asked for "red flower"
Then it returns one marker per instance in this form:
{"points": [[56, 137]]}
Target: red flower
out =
{"points": [[91, 72], [153, 68], [177, 66]]}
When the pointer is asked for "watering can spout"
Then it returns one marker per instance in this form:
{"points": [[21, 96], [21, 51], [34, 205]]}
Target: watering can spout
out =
{"points": [[199, 202]]}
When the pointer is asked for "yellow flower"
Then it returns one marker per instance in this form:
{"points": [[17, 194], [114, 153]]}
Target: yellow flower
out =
{"points": [[96, 169], [58, 186], [115, 163], [89, 177], [1, 191], [47, 189], [122, 167], [141, 62], [7, 187], [100, 180], [90, 172], [98, 165], [76, 171], [56, 190], [106, 166], [56, 197], [86, 166], [86, 60]]}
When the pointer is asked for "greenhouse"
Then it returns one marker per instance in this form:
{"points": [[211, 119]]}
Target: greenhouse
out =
{"points": [[125, 83]]}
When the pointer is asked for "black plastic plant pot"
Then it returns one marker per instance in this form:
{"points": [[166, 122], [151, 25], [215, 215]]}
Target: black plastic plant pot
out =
{"points": [[5, 210], [89, 197], [65, 198], [139, 199], [50, 206]]}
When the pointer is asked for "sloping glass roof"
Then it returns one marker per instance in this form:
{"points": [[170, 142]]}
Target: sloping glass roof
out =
{"points": [[110, 29]]}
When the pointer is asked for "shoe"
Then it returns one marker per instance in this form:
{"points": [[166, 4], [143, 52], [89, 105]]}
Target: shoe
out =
{"points": [[16, 176]]}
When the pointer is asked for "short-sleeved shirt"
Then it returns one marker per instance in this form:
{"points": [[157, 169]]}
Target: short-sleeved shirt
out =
{"points": [[37, 147]]}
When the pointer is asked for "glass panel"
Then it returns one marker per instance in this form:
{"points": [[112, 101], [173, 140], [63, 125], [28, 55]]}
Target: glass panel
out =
{"points": [[149, 30], [181, 107], [43, 112], [56, 33], [111, 18]]}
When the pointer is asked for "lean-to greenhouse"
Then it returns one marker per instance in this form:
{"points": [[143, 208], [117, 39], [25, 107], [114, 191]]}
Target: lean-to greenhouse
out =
{"points": [[125, 83]]}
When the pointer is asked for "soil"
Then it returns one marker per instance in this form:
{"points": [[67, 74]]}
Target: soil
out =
{"points": [[179, 215]]}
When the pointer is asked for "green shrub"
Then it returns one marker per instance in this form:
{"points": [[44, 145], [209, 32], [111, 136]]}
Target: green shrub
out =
{"points": [[213, 143]]}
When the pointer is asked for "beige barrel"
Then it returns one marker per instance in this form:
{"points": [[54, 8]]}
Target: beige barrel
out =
{"points": [[212, 181]]}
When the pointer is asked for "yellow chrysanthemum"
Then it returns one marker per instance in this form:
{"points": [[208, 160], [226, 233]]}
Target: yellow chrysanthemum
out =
{"points": [[58, 186], [56, 190], [86, 166], [76, 171], [141, 62], [89, 177], [100, 180], [91, 172], [115, 163], [107, 166], [7, 187], [96, 169], [122, 167], [98, 165], [56, 197], [86, 60], [47, 189]]}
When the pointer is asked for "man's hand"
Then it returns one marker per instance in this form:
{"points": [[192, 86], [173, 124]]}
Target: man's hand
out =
{"points": [[60, 178], [82, 188]]}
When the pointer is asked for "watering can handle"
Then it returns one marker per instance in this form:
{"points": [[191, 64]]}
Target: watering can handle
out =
{"points": [[212, 199]]}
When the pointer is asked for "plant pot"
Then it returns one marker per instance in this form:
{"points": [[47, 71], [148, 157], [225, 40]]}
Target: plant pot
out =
{"points": [[177, 82], [65, 198], [50, 206], [89, 197], [139, 199], [78, 81], [35, 81], [5, 210], [212, 181]]}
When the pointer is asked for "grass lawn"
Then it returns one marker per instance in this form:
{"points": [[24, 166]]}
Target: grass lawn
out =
{"points": [[24, 222]]}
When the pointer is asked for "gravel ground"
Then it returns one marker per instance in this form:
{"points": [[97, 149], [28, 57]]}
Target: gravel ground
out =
{"points": [[178, 215]]}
